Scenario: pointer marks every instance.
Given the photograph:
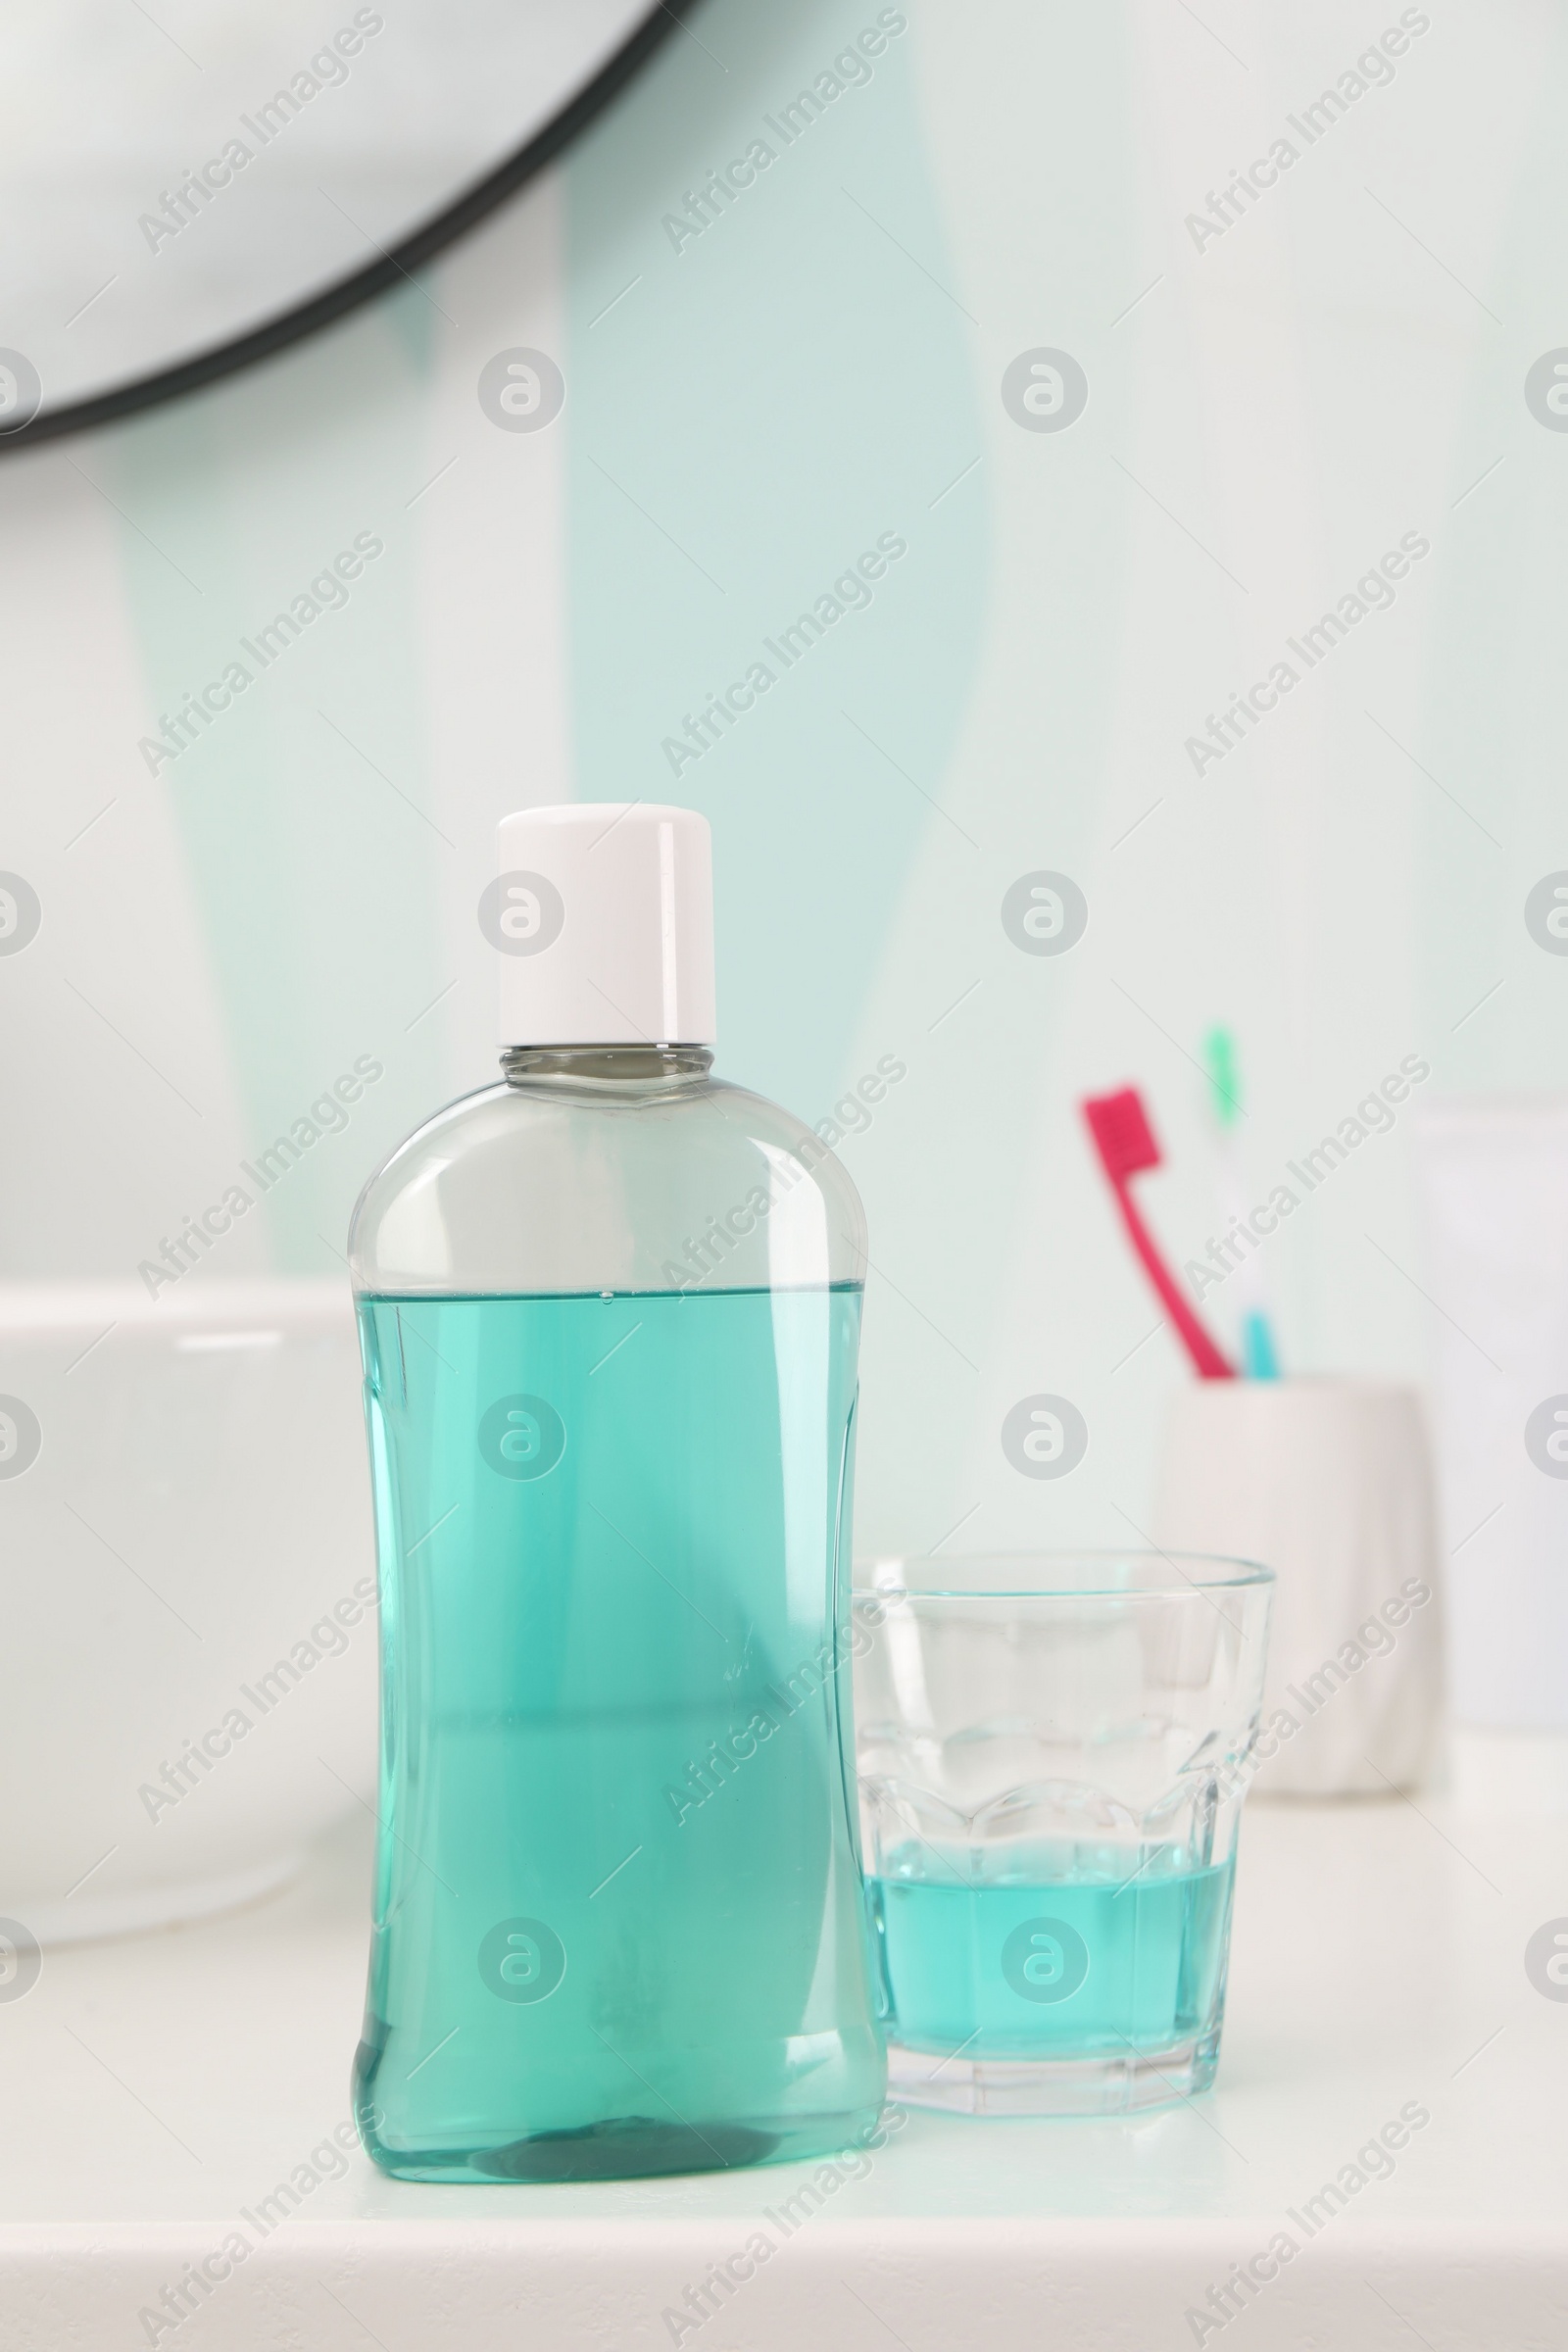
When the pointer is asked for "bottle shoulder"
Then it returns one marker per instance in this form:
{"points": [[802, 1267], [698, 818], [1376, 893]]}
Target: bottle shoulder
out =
{"points": [[524, 1188]]}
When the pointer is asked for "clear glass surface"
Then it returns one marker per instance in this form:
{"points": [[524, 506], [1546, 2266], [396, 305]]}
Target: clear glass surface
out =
{"points": [[1052, 1754], [619, 1925], [210, 169]]}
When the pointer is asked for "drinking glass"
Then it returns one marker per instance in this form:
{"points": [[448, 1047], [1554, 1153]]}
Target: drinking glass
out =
{"points": [[1052, 1754]]}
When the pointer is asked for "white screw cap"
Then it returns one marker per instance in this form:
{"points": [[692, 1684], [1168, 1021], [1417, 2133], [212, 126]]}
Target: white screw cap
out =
{"points": [[601, 916]]}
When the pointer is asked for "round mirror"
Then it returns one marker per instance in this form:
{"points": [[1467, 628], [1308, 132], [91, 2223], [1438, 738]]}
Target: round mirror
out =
{"points": [[185, 184]]}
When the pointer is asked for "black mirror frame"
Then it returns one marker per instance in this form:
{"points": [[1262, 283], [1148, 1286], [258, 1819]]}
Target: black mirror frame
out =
{"points": [[361, 285]]}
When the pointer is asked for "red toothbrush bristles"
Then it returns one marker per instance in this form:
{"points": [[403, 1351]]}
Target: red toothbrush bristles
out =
{"points": [[1125, 1142], [1119, 1125]]}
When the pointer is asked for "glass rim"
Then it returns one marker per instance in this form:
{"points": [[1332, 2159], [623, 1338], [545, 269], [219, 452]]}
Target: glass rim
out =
{"points": [[1018, 1575]]}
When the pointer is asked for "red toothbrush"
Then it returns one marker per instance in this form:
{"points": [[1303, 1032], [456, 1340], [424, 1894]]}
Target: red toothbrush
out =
{"points": [[1125, 1142]]}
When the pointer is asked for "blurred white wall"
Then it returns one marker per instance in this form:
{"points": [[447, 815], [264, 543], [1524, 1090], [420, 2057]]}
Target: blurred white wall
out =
{"points": [[1269, 412]]}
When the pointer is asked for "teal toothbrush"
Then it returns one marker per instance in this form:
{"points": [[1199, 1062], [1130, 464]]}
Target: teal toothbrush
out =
{"points": [[1259, 1360]]}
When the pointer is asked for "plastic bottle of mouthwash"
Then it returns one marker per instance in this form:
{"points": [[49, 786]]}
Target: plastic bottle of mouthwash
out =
{"points": [[610, 1311]]}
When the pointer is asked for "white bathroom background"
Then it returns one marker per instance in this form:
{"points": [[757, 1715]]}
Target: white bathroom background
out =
{"points": [[1285, 383]]}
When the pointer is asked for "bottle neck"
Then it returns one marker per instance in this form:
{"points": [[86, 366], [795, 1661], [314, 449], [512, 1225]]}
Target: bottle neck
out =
{"points": [[615, 1071]]}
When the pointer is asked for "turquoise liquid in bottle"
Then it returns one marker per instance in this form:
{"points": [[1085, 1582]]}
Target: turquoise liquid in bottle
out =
{"points": [[610, 1312], [619, 1924]]}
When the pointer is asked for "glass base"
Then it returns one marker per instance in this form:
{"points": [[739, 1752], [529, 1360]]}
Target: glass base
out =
{"points": [[1115, 2084]]}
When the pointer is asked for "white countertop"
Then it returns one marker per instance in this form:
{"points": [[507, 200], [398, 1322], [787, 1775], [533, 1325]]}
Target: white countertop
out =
{"points": [[157, 2088]]}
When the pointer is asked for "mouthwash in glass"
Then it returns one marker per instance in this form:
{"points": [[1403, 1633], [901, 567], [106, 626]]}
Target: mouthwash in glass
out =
{"points": [[1026, 1957], [610, 1311]]}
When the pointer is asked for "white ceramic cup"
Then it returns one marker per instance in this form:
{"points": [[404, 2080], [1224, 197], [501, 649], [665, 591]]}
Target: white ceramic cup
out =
{"points": [[1328, 1482], [188, 1621]]}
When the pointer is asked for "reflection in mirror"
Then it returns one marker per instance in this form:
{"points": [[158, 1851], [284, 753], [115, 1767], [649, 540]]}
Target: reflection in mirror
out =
{"points": [[179, 177]]}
